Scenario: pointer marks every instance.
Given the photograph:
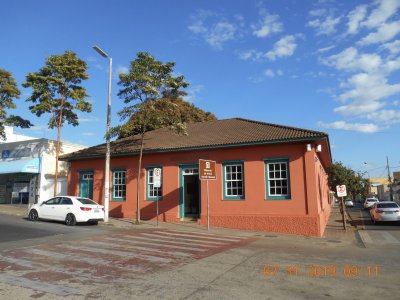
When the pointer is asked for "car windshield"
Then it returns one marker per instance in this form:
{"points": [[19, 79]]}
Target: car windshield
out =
{"points": [[387, 205], [372, 200], [86, 201]]}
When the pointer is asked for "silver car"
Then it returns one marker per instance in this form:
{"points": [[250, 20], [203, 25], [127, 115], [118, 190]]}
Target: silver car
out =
{"points": [[369, 202], [385, 211]]}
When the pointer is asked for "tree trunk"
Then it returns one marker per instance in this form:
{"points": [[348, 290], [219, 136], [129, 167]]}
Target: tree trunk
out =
{"points": [[59, 124], [57, 154], [138, 180]]}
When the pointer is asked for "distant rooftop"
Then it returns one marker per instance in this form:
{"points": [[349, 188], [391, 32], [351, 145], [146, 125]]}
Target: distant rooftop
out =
{"points": [[11, 137]]}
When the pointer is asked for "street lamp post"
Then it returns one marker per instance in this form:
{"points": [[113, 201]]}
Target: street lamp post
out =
{"points": [[107, 168]]}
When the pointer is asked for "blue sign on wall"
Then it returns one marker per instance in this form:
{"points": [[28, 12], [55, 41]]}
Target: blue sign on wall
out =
{"points": [[5, 154]]}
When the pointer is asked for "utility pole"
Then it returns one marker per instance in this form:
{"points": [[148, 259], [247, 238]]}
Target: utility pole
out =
{"points": [[390, 179]]}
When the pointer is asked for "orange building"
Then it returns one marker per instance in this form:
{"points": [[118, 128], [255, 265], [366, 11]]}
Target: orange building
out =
{"points": [[269, 177]]}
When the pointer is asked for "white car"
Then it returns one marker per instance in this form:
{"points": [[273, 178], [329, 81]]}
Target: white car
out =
{"points": [[69, 209], [385, 211], [349, 203], [369, 202]]}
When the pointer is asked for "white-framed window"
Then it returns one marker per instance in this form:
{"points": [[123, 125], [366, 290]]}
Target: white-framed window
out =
{"points": [[233, 175], [119, 185], [278, 179]]}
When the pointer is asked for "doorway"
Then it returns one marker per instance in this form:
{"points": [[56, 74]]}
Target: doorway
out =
{"points": [[190, 193], [86, 184]]}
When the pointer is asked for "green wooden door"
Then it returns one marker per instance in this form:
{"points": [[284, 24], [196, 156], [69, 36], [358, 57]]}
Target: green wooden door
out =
{"points": [[86, 184]]}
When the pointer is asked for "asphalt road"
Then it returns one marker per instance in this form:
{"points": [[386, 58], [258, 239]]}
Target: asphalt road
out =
{"points": [[16, 231], [361, 217]]}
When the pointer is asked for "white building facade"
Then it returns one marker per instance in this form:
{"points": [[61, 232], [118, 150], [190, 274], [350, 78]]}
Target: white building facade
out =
{"points": [[27, 170]]}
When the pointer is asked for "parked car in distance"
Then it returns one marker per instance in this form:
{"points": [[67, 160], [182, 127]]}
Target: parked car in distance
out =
{"points": [[369, 202], [349, 203], [69, 209], [385, 211]]}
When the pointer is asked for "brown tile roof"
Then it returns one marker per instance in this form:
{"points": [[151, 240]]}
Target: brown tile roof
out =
{"points": [[211, 134]]}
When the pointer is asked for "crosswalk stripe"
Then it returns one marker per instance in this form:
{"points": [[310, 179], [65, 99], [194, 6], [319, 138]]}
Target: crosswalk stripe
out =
{"points": [[125, 254], [61, 256], [223, 240], [149, 241], [59, 290], [365, 237], [18, 261], [201, 234], [390, 238], [147, 249], [188, 239], [182, 240]]}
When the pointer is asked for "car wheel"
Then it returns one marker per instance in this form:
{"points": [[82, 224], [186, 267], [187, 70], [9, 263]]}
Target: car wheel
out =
{"points": [[94, 222], [70, 220], [33, 215]]}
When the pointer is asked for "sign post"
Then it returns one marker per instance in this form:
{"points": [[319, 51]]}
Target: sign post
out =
{"points": [[207, 172], [341, 192], [157, 184]]}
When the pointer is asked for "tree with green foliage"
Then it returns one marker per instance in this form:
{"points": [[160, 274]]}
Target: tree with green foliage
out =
{"points": [[8, 92], [57, 90], [178, 110], [338, 174], [144, 89]]}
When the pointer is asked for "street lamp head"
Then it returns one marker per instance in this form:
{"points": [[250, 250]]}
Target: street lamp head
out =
{"points": [[101, 52]]}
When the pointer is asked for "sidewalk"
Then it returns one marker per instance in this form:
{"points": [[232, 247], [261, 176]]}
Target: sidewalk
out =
{"points": [[333, 232], [334, 229]]}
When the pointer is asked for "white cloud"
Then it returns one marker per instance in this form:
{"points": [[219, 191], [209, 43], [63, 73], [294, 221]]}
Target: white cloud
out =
{"points": [[355, 17], [325, 49], [385, 10], [384, 33], [269, 73], [215, 30], [366, 94], [222, 32], [358, 108], [318, 12], [251, 55], [122, 70], [87, 133], [367, 90], [284, 47], [350, 60], [388, 116], [359, 127], [91, 58], [393, 47], [192, 93], [87, 118], [99, 66], [325, 26], [269, 25]]}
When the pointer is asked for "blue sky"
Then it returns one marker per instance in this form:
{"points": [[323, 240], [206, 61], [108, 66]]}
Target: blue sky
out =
{"points": [[331, 66]]}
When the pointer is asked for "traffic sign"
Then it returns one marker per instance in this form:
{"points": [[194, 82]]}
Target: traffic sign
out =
{"points": [[341, 190], [157, 177], [207, 169]]}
